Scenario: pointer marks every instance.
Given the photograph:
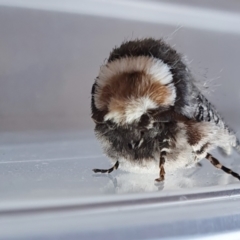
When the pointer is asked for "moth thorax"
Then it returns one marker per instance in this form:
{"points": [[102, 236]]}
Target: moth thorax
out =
{"points": [[129, 87]]}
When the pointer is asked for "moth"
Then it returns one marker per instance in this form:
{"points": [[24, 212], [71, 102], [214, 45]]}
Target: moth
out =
{"points": [[147, 108]]}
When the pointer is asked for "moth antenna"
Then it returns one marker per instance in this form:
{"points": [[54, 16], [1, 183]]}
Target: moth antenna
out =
{"points": [[115, 167], [217, 164]]}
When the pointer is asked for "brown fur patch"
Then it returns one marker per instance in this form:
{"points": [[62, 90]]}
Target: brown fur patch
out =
{"points": [[193, 132], [119, 89]]}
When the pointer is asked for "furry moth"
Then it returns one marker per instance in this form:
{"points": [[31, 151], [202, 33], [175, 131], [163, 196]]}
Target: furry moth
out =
{"points": [[147, 108]]}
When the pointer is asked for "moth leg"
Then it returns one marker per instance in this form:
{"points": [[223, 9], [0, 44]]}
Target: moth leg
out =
{"points": [[199, 152], [161, 167], [115, 167], [217, 164]]}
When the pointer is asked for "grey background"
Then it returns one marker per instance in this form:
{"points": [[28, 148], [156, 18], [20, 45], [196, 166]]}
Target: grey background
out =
{"points": [[49, 61]]}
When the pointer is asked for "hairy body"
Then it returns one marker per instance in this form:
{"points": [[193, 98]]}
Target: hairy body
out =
{"points": [[147, 108]]}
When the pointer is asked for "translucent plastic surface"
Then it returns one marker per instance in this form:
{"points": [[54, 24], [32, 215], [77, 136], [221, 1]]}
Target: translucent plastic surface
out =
{"points": [[50, 55]]}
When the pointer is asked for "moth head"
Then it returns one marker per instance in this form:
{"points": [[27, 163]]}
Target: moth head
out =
{"points": [[133, 141], [125, 98]]}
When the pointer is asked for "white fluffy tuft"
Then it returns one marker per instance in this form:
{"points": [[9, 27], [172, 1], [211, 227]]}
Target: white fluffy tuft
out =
{"points": [[151, 66], [137, 107], [215, 136], [160, 71], [134, 110], [170, 99]]}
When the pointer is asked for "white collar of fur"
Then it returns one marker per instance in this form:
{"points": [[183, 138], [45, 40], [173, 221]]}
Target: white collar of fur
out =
{"points": [[151, 66]]}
